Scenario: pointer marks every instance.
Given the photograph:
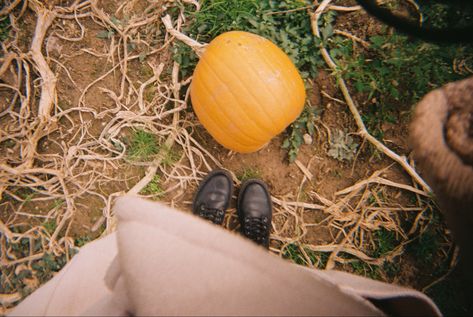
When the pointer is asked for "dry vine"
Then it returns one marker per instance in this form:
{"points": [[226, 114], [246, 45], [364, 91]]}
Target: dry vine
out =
{"points": [[84, 161]]}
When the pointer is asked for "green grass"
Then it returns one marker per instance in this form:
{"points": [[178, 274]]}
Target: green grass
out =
{"points": [[364, 269], [385, 242], [81, 241], [293, 253], [427, 246], [218, 16], [142, 146], [169, 155], [154, 188], [4, 28], [248, 173], [50, 226]]}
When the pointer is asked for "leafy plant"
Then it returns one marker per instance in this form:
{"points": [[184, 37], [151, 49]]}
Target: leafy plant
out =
{"points": [[395, 72], [291, 31], [441, 14], [218, 16], [48, 265], [342, 146], [105, 34], [12, 280], [303, 124], [186, 58]]}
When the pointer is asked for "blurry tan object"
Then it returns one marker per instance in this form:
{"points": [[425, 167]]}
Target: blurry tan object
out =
{"points": [[161, 261], [442, 140]]}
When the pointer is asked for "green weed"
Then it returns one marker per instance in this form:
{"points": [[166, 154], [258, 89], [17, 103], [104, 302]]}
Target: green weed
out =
{"points": [[48, 265], [293, 253], [58, 203], [342, 146], [186, 58], [303, 124], [218, 16], [248, 173], [143, 146], [43, 268], [4, 28], [153, 188], [364, 269], [169, 155], [425, 247], [50, 226], [385, 242], [441, 14], [391, 269], [394, 72], [105, 34], [291, 32], [81, 241]]}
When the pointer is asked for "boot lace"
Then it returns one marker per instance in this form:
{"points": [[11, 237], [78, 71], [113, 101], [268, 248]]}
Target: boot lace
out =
{"points": [[256, 228], [213, 214]]}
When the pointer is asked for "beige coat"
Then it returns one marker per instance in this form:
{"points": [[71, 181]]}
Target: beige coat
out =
{"points": [[165, 262]]}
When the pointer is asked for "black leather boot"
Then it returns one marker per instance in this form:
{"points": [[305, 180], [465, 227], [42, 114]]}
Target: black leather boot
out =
{"points": [[213, 196], [255, 211]]}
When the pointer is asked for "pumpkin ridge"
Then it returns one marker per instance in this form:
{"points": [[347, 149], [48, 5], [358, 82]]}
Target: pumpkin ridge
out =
{"points": [[221, 133], [263, 129], [248, 138], [262, 109], [290, 85], [269, 90]]}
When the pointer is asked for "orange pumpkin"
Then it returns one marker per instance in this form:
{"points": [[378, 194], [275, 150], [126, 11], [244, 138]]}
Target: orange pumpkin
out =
{"points": [[245, 90]]}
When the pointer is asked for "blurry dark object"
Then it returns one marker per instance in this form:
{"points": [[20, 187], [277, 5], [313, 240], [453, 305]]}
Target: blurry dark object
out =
{"points": [[459, 28], [442, 139]]}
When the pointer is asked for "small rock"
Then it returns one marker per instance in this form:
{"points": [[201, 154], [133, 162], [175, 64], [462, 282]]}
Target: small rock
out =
{"points": [[307, 139]]}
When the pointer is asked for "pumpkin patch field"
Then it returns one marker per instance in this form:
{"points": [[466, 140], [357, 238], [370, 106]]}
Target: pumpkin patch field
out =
{"points": [[99, 99]]}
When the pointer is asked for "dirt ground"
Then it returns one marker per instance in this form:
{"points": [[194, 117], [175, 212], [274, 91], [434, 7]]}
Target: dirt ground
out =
{"points": [[79, 55]]}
